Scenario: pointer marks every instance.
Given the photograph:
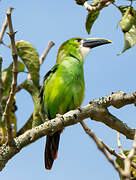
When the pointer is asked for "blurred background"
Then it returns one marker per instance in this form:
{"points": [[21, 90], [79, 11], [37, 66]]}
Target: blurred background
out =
{"points": [[39, 22]]}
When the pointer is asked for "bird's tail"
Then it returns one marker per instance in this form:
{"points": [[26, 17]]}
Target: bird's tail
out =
{"points": [[51, 149]]}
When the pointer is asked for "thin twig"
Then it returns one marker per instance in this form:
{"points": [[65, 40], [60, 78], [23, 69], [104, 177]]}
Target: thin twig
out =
{"points": [[126, 173], [4, 26], [101, 147], [19, 87], [119, 145], [128, 160], [117, 155], [132, 152], [14, 81], [43, 56], [112, 151]]}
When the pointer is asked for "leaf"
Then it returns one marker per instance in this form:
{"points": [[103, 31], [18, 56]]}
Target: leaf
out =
{"points": [[3, 130], [129, 39], [121, 164], [7, 76], [128, 19], [80, 2], [123, 9], [13, 121], [128, 26], [91, 17], [30, 57], [34, 92]]}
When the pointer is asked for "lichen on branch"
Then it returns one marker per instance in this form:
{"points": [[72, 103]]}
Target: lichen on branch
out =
{"points": [[96, 110]]}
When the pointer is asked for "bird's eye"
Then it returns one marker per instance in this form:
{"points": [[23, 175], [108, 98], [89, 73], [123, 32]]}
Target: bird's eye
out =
{"points": [[78, 41]]}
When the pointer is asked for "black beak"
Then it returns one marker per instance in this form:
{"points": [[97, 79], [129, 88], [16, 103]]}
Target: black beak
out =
{"points": [[94, 42]]}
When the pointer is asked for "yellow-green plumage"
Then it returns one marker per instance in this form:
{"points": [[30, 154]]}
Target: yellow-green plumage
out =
{"points": [[63, 87], [64, 90]]}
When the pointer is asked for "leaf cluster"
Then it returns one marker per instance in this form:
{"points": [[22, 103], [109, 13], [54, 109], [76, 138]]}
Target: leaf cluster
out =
{"points": [[127, 23], [28, 61]]}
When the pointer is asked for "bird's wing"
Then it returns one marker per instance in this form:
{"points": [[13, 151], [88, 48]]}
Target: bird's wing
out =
{"points": [[47, 76]]}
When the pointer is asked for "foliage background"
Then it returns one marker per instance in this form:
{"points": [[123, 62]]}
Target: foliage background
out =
{"points": [[39, 22]]}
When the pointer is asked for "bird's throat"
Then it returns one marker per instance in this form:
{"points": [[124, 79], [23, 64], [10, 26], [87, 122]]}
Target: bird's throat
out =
{"points": [[84, 51]]}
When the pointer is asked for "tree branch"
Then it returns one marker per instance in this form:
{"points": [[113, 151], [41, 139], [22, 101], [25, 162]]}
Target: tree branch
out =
{"points": [[128, 161], [116, 99], [126, 172], [4, 26], [101, 5], [119, 145], [43, 56], [14, 82], [101, 147], [96, 110]]}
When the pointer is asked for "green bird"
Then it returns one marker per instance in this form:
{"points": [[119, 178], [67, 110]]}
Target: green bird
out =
{"points": [[63, 86]]}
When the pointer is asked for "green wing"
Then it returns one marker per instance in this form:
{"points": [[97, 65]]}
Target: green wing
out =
{"points": [[47, 76]]}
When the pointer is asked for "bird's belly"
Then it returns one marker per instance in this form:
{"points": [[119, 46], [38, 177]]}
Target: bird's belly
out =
{"points": [[72, 98], [65, 96]]}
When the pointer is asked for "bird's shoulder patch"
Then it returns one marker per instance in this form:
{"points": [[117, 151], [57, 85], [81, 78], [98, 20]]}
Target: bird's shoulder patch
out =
{"points": [[49, 73], [46, 77]]}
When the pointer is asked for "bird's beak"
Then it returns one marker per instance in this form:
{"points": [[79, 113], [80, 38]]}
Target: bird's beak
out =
{"points": [[94, 42]]}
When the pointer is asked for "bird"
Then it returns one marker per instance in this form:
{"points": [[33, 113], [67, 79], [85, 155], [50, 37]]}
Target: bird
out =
{"points": [[63, 86]]}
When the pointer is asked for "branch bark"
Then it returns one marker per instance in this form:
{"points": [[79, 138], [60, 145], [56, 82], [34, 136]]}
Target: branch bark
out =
{"points": [[107, 151], [11, 34], [43, 56], [5, 25], [128, 161], [96, 110], [101, 5], [101, 147]]}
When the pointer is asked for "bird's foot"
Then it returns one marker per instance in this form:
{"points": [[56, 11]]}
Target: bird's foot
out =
{"points": [[79, 108]]}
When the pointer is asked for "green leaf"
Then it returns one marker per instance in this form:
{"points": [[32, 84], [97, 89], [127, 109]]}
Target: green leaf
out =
{"points": [[123, 9], [7, 76], [3, 129], [30, 57], [80, 2], [34, 92], [128, 26], [13, 121], [129, 38], [91, 17], [128, 19]]}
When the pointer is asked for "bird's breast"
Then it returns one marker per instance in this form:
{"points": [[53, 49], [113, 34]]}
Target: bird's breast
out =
{"points": [[65, 90]]}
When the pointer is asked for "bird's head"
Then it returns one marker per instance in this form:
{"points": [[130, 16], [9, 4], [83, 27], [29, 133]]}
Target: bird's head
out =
{"points": [[79, 47]]}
